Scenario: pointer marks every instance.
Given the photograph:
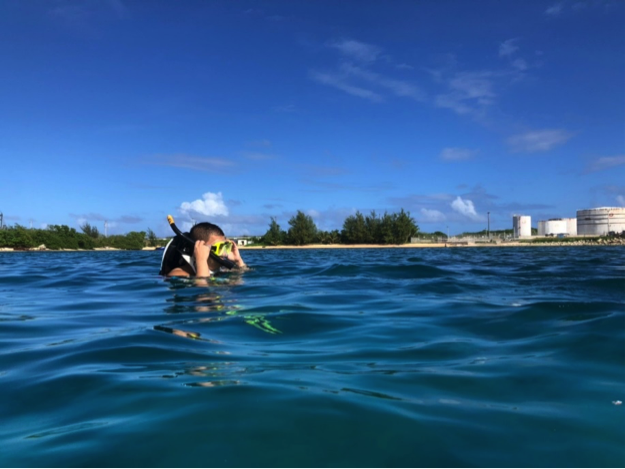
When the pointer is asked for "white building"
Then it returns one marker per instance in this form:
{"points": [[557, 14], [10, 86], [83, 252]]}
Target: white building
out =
{"points": [[556, 226], [522, 226], [600, 221]]}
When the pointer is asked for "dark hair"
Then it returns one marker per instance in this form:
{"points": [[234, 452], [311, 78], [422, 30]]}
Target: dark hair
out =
{"points": [[203, 231]]}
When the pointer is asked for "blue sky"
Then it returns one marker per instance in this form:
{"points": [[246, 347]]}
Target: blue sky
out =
{"points": [[238, 111]]}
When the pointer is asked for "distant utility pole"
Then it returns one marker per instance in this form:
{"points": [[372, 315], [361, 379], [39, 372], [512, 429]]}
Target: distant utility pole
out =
{"points": [[488, 231]]}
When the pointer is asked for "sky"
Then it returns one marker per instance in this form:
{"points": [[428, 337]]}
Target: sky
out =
{"points": [[234, 112]]}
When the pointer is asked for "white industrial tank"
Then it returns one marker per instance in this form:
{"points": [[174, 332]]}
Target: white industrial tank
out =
{"points": [[522, 226], [600, 221], [557, 226]]}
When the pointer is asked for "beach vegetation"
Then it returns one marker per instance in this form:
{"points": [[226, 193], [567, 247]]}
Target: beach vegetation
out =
{"points": [[55, 237], [90, 230], [302, 230], [274, 235], [151, 239], [389, 228]]}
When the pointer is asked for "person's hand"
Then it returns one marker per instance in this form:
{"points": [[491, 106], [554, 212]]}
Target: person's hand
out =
{"points": [[235, 255], [201, 252]]}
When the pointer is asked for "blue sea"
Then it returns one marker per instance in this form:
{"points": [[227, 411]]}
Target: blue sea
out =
{"points": [[490, 357]]}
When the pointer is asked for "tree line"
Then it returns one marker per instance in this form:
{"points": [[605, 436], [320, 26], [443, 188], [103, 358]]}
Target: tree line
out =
{"points": [[388, 228], [63, 237]]}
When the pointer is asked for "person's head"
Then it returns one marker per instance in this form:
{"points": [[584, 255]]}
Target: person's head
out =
{"points": [[207, 232], [210, 234]]}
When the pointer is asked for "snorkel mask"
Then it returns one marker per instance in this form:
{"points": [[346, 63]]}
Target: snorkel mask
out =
{"points": [[221, 248]]}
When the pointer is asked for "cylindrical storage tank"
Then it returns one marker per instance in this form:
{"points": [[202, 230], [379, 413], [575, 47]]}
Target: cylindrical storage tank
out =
{"points": [[522, 226], [571, 226], [600, 221], [541, 228], [555, 227]]}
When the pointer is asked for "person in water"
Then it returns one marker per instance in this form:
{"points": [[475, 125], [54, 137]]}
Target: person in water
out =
{"points": [[208, 236]]}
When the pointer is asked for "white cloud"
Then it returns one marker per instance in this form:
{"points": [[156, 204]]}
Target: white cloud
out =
{"points": [[457, 154], [357, 50], [340, 82], [605, 162], [209, 205], [465, 207], [509, 47], [538, 140], [431, 216], [621, 200]]}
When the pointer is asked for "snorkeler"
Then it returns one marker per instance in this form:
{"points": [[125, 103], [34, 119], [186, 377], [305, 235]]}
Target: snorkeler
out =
{"points": [[200, 253]]}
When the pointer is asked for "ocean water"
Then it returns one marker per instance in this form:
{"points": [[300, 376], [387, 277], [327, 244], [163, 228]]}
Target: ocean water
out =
{"points": [[349, 357]]}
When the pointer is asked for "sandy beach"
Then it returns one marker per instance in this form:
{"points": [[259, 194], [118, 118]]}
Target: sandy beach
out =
{"points": [[451, 244]]}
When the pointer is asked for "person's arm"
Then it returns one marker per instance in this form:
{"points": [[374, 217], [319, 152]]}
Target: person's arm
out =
{"points": [[178, 272]]}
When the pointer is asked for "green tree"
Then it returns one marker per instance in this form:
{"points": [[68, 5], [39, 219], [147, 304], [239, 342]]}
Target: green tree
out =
{"points": [[151, 238], [405, 227], [354, 229], [274, 235], [90, 230], [374, 226], [302, 229]]}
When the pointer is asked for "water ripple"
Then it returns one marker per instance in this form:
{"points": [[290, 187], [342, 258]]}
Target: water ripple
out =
{"points": [[398, 357]]}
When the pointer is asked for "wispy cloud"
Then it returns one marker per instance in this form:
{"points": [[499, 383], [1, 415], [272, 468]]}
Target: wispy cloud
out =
{"points": [[605, 162], [457, 154], [431, 216], [340, 82], [288, 108], [397, 87], [112, 222], [519, 64], [355, 74], [469, 92], [509, 47], [196, 163], [331, 186], [538, 140], [577, 6], [555, 9], [264, 143], [356, 50], [257, 155], [79, 12]]}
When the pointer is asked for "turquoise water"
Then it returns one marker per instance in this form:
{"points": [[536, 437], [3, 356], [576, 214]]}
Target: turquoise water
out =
{"points": [[381, 357]]}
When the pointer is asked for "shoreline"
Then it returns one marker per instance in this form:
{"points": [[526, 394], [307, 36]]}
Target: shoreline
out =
{"points": [[614, 242]]}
